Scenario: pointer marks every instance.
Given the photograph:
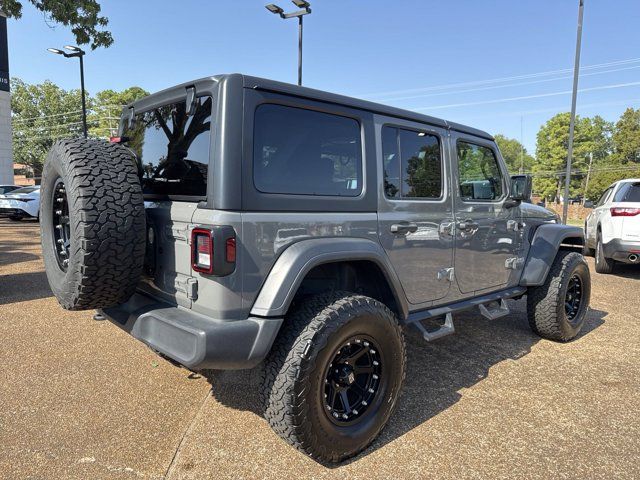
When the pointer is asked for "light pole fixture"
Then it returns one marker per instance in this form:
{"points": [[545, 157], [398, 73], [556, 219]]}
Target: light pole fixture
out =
{"points": [[79, 53], [305, 9]]}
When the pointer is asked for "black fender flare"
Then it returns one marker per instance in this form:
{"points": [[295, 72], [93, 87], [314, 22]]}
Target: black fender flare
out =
{"points": [[296, 261], [545, 244]]}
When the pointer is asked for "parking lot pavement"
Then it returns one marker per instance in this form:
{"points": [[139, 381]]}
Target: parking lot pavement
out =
{"points": [[81, 399]]}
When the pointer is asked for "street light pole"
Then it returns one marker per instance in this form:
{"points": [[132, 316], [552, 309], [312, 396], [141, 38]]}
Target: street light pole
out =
{"points": [[300, 50], [84, 102], [572, 122], [305, 9], [79, 53]]}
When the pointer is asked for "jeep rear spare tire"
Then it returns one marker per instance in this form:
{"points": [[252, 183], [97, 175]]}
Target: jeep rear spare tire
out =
{"points": [[92, 223]]}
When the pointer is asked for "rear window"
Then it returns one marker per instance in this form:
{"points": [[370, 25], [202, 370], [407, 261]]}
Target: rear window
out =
{"points": [[629, 192], [173, 149], [304, 152]]}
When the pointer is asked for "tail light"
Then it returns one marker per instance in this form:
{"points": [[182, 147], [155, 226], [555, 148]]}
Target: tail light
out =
{"points": [[213, 250], [624, 212]]}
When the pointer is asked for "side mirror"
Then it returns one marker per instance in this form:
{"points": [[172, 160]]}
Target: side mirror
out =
{"points": [[521, 188]]}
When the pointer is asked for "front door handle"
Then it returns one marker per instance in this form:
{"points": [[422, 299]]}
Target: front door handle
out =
{"points": [[404, 228]]}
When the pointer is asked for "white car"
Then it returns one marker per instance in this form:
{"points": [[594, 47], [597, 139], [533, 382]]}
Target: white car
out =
{"points": [[21, 203], [612, 229]]}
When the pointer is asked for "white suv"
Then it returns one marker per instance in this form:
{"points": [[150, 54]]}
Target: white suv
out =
{"points": [[612, 230]]}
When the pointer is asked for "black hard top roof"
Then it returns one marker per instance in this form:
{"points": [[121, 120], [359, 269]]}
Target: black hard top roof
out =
{"points": [[208, 83]]}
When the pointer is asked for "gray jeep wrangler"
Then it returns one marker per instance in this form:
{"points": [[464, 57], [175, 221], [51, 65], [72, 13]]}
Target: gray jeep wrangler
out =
{"points": [[239, 222]]}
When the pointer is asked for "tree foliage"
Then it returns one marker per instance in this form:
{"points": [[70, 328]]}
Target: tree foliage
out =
{"points": [[43, 113], [592, 136], [107, 107], [514, 154], [83, 16]]}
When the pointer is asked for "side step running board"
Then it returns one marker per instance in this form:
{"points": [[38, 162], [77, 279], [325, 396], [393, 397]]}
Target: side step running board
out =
{"points": [[445, 329], [495, 309]]}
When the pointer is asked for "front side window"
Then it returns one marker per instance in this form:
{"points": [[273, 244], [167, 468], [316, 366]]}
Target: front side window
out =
{"points": [[604, 196], [480, 177], [412, 164], [304, 152], [173, 149]]}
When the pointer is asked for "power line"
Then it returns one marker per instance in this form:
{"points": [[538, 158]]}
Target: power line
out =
{"points": [[502, 79], [528, 97]]}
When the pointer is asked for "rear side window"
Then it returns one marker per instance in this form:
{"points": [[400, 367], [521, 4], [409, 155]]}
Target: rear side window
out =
{"points": [[303, 152], [173, 149], [629, 192], [412, 164], [479, 173]]}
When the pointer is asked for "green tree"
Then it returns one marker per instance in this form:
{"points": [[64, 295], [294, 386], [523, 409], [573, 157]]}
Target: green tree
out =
{"points": [[626, 137], [40, 115], [592, 135], [83, 16], [107, 107], [514, 154]]}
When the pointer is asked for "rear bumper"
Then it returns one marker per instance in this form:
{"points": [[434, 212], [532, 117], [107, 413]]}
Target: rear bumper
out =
{"points": [[194, 340], [620, 250]]}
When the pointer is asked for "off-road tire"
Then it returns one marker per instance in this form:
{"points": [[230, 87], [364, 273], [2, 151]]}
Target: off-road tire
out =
{"points": [[107, 227], [603, 264], [293, 375], [546, 303]]}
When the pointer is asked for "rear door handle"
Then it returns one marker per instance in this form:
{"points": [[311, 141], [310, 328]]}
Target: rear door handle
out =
{"points": [[467, 226], [404, 228]]}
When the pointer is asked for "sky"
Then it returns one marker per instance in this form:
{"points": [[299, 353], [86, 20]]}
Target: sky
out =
{"points": [[504, 66]]}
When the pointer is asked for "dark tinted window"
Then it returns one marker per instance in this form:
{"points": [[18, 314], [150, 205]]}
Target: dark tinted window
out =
{"points": [[173, 149], [479, 173], [303, 152], [604, 196], [629, 192], [412, 164]]}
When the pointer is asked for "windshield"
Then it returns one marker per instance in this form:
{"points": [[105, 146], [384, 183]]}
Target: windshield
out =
{"points": [[25, 190], [172, 149]]}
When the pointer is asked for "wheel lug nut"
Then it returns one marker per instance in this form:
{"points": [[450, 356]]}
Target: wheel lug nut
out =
{"points": [[366, 344], [364, 402], [58, 212], [375, 363], [59, 227], [345, 416], [60, 241], [355, 412], [371, 390], [373, 352], [375, 377], [335, 414], [65, 262]]}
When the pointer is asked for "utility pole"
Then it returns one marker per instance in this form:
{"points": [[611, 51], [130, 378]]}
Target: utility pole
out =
{"points": [[586, 183], [572, 123], [521, 145]]}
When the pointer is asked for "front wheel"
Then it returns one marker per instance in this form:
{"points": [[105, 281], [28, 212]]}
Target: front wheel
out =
{"points": [[557, 309], [334, 375]]}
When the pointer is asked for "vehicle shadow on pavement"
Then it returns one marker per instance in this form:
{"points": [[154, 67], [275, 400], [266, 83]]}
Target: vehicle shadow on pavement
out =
{"points": [[436, 372], [20, 287], [627, 271], [13, 252]]}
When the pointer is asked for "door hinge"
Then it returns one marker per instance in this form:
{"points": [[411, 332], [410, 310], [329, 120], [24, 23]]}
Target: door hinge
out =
{"points": [[446, 274], [446, 228], [513, 263]]}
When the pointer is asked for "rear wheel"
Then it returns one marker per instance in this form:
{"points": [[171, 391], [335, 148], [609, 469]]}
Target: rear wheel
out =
{"points": [[92, 223], [334, 375], [603, 264], [557, 309]]}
